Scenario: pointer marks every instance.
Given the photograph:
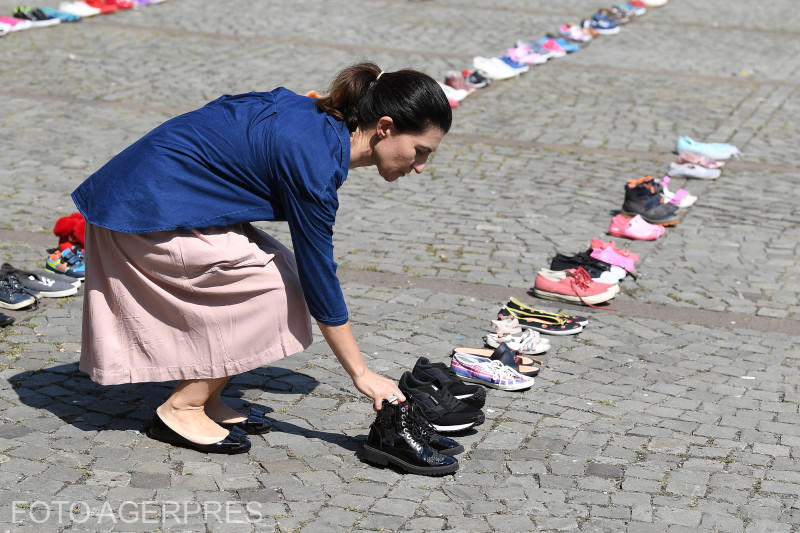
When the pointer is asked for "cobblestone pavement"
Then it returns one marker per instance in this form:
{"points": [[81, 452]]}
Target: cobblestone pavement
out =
{"points": [[678, 412]]}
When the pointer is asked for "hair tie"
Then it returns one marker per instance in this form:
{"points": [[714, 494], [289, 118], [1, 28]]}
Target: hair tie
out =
{"points": [[379, 76]]}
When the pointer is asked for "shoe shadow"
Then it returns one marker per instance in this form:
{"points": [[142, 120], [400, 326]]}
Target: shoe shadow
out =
{"points": [[351, 443], [69, 394], [568, 305]]}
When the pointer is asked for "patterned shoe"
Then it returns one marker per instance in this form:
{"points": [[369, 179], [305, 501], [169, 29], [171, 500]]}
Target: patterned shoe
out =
{"points": [[488, 372], [69, 262]]}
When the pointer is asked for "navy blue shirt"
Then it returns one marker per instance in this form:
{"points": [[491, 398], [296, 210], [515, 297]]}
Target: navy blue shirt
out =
{"points": [[254, 156]]}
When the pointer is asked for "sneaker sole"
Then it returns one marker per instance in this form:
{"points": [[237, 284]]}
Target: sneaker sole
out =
{"points": [[381, 458], [553, 332], [58, 294], [452, 428], [593, 300], [512, 387], [20, 305]]}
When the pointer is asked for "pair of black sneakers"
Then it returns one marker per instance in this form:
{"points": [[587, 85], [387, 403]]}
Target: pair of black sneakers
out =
{"points": [[445, 401]]}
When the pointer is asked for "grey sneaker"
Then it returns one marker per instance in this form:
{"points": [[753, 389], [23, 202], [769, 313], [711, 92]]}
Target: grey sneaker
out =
{"points": [[41, 284], [12, 294]]}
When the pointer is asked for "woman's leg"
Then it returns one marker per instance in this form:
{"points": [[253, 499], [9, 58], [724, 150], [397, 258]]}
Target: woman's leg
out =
{"points": [[217, 410], [184, 411]]}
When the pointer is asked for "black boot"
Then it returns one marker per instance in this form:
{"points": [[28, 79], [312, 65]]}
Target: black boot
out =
{"points": [[393, 438], [427, 433]]}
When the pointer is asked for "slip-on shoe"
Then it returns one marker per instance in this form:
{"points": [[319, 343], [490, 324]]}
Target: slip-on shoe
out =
{"points": [[256, 423], [235, 442]]}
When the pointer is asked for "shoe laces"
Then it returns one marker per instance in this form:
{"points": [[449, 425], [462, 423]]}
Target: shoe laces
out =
{"points": [[582, 279], [500, 371]]}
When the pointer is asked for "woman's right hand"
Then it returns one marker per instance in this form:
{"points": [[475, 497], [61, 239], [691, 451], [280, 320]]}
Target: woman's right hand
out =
{"points": [[378, 388], [344, 346]]}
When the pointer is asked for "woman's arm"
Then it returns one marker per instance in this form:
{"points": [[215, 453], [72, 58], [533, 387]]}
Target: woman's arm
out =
{"points": [[344, 346]]}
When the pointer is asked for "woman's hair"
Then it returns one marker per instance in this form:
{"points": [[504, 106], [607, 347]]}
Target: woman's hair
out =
{"points": [[362, 93]]}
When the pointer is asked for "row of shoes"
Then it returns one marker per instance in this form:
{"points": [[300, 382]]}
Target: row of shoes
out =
{"points": [[26, 17], [649, 205], [21, 289], [589, 277], [701, 160], [526, 53]]}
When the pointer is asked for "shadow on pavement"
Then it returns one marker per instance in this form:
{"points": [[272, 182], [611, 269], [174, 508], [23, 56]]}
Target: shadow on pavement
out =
{"points": [[70, 395]]}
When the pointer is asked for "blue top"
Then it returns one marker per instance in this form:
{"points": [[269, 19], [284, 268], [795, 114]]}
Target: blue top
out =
{"points": [[255, 156]]}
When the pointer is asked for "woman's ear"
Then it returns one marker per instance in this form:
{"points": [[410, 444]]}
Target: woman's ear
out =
{"points": [[384, 126]]}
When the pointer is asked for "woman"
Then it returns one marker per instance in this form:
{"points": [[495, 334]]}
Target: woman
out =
{"points": [[181, 287]]}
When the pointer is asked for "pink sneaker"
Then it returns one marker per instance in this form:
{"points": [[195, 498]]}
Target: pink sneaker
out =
{"points": [[634, 228], [553, 46], [15, 24], [574, 286], [523, 54], [597, 244]]}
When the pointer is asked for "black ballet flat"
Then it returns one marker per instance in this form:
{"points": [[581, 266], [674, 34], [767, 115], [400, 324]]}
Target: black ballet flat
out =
{"points": [[235, 442], [256, 423]]}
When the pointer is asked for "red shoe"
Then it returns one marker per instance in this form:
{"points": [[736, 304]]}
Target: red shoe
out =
{"points": [[102, 6], [574, 286], [121, 4]]}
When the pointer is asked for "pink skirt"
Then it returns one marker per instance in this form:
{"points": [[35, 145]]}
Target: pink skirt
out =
{"points": [[188, 304]]}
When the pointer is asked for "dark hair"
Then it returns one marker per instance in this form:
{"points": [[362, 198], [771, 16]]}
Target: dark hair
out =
{"points": [[360, 95]]}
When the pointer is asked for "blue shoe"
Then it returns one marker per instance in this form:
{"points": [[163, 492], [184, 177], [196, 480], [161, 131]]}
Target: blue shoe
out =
{"points": [[55, 13], [519, 67], [718, 151], [601, 24], [569, 47]]}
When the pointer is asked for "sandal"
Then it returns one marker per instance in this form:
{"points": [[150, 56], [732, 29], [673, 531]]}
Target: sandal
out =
{"points": [[515, 304], [549, 323], [526, 343], [521, 364]]}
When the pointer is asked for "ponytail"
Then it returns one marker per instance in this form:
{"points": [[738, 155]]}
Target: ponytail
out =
{"points": [[362, 93]]}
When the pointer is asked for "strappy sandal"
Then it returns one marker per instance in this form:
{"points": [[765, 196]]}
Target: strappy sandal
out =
{"points": [[516, 305], [528, 342]]}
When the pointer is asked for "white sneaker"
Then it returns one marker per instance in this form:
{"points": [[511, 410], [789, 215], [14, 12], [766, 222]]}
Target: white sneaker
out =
{"points": [[495, 68], [82, 9], [688, 170], [452, 93]]}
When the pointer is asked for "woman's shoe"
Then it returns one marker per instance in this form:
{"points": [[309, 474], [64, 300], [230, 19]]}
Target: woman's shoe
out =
{"points": [[256, 423], [235, 442]]}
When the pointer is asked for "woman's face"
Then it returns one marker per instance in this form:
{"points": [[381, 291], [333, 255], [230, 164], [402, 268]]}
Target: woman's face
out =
{"points": [[397, 154]]}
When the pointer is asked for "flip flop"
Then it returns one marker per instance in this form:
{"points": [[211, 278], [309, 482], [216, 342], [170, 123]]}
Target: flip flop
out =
{"points": [[488, 353]]}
